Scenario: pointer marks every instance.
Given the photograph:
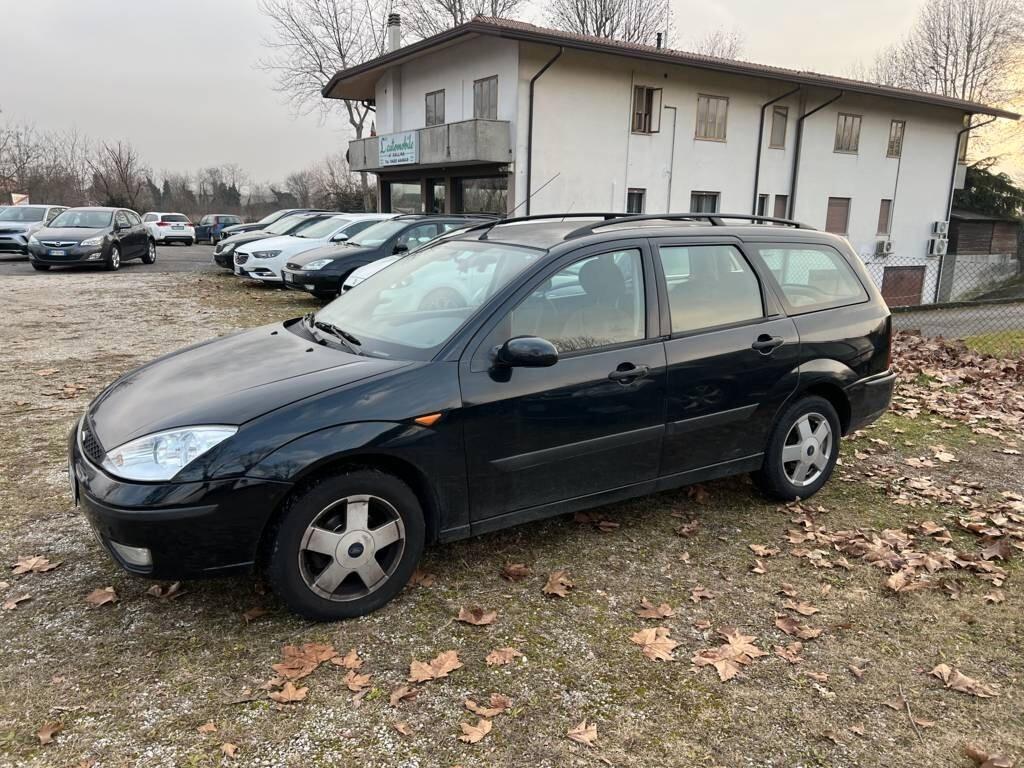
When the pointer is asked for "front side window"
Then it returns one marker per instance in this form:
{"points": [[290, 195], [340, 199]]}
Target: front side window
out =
{"points": [[780, 116], [812, 276], [708, 286], [485, 98], [704, 202], [896, 130], [435, 108], [847, 133], [120, 219], [711, 117], [133, 218], [837, 216], [646, 109], [635, 199], [595, 302], [414, 237]]}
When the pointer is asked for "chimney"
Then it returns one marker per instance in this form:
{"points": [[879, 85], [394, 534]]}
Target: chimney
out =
{"points": [[659, 40], [394, 32]]}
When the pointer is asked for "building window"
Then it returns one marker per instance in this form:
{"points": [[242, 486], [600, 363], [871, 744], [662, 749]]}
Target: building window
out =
{"points": [[646, 109], [635, 199], [837, 217], [485, 98], [404, 197], [435, 108], [780, 115], [896, 129], [488, 194], [847, 133], [711, 114], [762, 205], [781, 206], [884, 216], [704, 202]]}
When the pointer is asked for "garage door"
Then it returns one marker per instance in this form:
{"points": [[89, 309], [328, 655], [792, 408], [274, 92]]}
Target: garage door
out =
{"points": [[901, 286]]}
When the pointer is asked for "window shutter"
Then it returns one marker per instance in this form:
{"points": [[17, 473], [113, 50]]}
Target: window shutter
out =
{"points": [[884, 214], [838, 215]]}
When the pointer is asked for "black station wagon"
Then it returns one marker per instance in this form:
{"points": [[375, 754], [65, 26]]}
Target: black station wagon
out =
{"points": [[598, 357]]}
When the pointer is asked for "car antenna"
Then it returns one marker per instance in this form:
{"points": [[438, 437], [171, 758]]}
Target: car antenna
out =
{"points": [[512, 212]]}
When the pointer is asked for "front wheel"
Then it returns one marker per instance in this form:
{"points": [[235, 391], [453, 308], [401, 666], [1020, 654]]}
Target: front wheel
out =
{"points": [[346, 545], [802, 450], [113, 262], [150, 256]]}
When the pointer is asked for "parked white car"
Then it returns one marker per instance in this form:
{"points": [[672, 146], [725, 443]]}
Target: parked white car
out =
{"points": [[169, 227], [264, 259]]}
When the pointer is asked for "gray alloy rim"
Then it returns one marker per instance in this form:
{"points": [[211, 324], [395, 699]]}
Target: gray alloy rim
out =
{"points": [[351, 548], [152, 251], [115, 257], [807, 449]]}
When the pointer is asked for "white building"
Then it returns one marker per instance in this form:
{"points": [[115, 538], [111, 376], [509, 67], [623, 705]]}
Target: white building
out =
{"points": [[624, 127]]}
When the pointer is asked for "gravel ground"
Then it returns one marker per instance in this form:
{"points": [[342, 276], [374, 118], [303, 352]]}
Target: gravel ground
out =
{"points": [[131, 683]]}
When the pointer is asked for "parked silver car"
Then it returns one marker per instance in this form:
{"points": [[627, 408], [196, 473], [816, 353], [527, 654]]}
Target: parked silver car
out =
{"points": [[19, 222]]}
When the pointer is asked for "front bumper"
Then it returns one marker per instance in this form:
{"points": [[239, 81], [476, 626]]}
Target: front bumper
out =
{"points": [[254, 270], [17, 244], [869, 398], [311, 281], [191, 530], [72, 254], [224, 259]]}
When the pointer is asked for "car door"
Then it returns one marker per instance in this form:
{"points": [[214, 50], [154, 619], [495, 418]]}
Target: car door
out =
{"points": [[122, 230], [593, 422], [139, 233], [732, 355]]}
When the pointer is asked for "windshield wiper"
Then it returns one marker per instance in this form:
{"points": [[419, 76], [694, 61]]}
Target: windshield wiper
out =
{"points": [[345, 337]]}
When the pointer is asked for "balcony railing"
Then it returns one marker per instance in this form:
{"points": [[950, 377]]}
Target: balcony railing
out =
{"points": [[467, 142]]}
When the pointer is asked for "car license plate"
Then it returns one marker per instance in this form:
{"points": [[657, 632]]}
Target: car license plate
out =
{"points": [[289, 277], [177, 226], [58, 253]]}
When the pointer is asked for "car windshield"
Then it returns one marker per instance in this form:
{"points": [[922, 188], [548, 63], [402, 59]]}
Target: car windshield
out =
{"points": [[410, 309], [23, 213], [270, 218], [322, 228], [286, 224], [84, 219], [378, 233]]}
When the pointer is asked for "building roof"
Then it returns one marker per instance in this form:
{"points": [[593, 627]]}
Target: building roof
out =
{"points": [[358, 82], [962, 214]]}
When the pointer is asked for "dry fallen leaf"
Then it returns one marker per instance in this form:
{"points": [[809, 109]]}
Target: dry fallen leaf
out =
{"points": [[471, 734], [699, 593], [791, 652], [791, 626], [11, 603], [688, 529], [515, 571], [169, 592], [48, 731], [994, 597], [402, 693], [760, 550], [103, 596], [738, 650], [501, 656], [34, 564], [207, 727], [356, 682], [656, 644], [299, 661], [403, 728], [584, 733], [441, 666], [350, 660], [254, 613], [229, 750], [648, 610], [478, 617], [958, 681], [758, 567], [558, 584], [289, 694], [804, 609], [421, 578], [498, 705], [984, 759]]}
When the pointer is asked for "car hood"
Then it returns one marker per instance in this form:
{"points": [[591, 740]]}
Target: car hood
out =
{"points": [[331, 251], [229, 380], [75, 234], [282, 243], [19, 226]]}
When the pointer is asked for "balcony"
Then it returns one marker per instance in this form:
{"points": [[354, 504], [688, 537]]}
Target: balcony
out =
{"points": [[467, 142]]}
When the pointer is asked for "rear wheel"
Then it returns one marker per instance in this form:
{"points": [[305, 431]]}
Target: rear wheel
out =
{"points": [[40, 267], [113, 261], [346, 545], [150, 255], [802, 450]]}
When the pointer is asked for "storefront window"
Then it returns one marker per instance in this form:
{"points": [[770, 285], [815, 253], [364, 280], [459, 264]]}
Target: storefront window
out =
{"points": [[437, 194], [484, 195], [406, 197]]}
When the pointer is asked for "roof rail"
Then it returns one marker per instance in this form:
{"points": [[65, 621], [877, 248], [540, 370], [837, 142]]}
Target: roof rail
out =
{"points": [[489, 225], [715, 219]]}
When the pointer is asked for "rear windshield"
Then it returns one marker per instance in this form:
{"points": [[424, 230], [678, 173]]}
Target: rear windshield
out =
{"points": [[23, 213], [85, 219], [812, 277], [174, 217]]}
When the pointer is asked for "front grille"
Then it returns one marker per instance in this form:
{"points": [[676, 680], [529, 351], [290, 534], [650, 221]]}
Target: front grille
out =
{"points": [[241, 258], [90, 445], [58, 243]]}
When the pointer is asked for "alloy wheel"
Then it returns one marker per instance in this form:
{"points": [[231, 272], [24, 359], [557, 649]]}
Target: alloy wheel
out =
{"points": [[351, 548], [807, 450], [115, 257]]}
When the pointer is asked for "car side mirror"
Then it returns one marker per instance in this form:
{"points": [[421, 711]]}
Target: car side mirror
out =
{"points": [[341, 237], [526, 352], [401, 248]]}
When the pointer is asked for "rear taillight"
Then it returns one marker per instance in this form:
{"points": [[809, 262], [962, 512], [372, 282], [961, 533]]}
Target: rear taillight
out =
{"points": [[163, 223]]}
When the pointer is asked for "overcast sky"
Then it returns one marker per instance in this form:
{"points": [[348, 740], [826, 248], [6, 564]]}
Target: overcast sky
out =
{"points": [[179, 78]]}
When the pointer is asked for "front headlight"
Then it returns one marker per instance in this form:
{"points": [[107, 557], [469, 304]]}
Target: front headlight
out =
{"points": [[265, 254], [98, 240], [318, 264], [33, 240], [229, 248], [162, 455]]}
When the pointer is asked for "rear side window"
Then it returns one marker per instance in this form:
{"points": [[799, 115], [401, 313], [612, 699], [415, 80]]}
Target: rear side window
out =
{"points": [[708, 286], [813, 277]]}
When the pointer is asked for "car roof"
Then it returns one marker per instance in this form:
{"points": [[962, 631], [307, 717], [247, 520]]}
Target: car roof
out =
{"points": [[96, 208]]}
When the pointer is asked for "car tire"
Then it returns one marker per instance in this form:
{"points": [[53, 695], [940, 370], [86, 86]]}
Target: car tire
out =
{"points": [[191, 242], [113, 261], [802, 450], [40, 267], [150, 256], [374, 554]]}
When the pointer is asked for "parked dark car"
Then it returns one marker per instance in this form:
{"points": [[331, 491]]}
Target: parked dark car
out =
{"points": [[212, 225], [267, 220], [19, 222], [223, 254], [100, 236], [323, 270], [600, 359]]}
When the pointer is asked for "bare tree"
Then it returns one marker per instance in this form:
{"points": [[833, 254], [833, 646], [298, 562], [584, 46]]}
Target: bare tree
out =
{"points": [[721, 44], [118, 174], [313, 40], [632, 21], [424, 18]]}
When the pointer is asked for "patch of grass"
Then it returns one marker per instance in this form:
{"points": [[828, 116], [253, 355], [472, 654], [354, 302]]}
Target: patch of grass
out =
{"points": [[999, 344]]}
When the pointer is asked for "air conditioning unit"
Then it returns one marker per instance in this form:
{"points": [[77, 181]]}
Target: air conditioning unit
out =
{"points": [[937, 246], [940, 228], [884, 247]]}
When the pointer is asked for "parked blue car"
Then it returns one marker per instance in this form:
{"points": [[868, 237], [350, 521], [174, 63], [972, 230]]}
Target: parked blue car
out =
{"points": [[212, 224]]}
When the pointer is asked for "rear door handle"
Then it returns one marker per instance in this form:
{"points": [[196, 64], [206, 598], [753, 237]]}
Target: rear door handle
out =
{"points": [[628, 372], [766, 344]]}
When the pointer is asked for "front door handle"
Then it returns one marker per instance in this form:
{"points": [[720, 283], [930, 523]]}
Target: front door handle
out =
{"points": [[766, 344], [627, 372]]}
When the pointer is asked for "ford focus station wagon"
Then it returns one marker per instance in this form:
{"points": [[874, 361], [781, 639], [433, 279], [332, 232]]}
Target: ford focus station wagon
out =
{"points": [[594, 358]]}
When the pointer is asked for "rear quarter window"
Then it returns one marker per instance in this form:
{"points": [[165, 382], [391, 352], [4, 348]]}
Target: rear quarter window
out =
{"points": [[812, 276]]}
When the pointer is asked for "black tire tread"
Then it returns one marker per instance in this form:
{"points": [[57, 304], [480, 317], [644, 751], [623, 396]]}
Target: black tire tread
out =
{"points": [[770, 479]]}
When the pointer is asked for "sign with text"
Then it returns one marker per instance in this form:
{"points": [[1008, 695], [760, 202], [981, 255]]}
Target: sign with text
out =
{"points": [[398, 148]]}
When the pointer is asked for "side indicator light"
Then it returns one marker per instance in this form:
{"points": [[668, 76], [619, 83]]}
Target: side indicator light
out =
{"points": [[429, 420]]}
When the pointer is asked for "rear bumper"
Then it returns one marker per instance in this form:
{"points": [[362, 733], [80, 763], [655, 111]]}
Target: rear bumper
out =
{"points": [[869, 398], [173, 235]]}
